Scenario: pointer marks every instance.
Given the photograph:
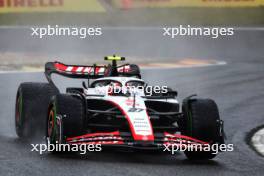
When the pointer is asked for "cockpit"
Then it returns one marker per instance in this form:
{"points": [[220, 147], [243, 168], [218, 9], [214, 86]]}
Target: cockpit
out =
{"points": [[120, 82], [119, 86]]}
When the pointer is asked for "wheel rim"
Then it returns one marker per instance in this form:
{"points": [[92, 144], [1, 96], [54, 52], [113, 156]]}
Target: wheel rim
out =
{"points": [[50, 123], [18, 109]]}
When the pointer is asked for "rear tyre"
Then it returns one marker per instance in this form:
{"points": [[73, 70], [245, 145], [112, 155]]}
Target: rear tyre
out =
{"points": [[201, 121], [65, 118], [135, 70], [32, 102]]}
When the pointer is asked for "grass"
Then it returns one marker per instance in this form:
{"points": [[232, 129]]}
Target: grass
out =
{"points": [[145, 17]]}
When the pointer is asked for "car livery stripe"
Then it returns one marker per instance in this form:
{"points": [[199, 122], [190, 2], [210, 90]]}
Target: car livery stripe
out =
{"points": [[80, 69], [115, 142], [87, 69], [115, 133], [104, 138], [124, 69], [69, 69], [139, 133], [169, 136], [61, 67]]}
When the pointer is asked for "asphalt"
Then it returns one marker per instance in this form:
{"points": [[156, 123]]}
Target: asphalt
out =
{"points": [[237, 87], [142, 44]]}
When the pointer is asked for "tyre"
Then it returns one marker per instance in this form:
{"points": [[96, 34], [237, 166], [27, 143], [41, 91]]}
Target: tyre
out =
{"points": [[32, 101], [201, 121], [135, 70], [65, 118]]}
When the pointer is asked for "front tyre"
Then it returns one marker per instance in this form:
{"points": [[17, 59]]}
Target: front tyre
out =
{"points": [[202, 121], [65, 118], [32, 102]]}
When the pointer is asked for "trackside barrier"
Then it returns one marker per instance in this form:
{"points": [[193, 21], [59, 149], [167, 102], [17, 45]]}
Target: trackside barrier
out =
{"points": [[127, 4], [27, 6]]}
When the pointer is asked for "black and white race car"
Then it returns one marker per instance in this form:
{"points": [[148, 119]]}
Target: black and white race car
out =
{"points": [[115, 109]]}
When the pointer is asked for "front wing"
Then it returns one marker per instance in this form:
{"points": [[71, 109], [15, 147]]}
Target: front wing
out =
{"points": [[120, 139]]}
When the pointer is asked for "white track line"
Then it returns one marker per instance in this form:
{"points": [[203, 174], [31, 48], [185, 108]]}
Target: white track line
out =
{"points": [[175, 66], [20, 71], [258, 141]]}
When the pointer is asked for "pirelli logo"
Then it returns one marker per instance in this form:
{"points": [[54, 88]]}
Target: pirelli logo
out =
{"points": [[23, 6], [31, 3]]}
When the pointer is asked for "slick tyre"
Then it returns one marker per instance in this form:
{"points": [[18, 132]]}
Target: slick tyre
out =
{"points": [[135, 70], [201, 121], [65, 118], [32, 101]]}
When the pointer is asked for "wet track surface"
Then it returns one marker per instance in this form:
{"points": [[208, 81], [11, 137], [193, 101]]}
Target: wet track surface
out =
{"points": [[236, 87], [246, 44]]}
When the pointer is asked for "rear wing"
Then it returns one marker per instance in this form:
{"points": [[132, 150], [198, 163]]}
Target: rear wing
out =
{"points": [[90, 72], [74, 71]]}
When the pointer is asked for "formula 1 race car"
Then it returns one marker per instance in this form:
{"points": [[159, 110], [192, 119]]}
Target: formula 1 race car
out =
{"points": [[115, 108]]}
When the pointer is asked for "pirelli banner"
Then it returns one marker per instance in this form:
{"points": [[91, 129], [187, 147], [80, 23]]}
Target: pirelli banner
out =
{"points": [[24, 6], [186, 3]]}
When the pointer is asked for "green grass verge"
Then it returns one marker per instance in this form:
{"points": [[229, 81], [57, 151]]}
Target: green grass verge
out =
{"points": [[145, 17]]}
